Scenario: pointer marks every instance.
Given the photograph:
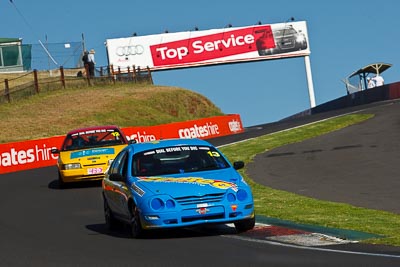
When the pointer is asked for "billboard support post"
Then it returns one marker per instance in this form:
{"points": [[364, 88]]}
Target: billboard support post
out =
{"points": [[309, 81]]}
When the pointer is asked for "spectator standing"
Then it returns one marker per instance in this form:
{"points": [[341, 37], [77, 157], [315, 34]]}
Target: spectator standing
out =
{"points": [[85, 57], [371, 83], [85, 60], [379, 81], [91, 62]]}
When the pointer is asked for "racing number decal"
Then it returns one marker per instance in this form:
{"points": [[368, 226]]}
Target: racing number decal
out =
{"points": [[115, 134], [213, 154]]}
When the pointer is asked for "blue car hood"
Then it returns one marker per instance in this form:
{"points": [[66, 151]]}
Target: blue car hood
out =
{"points": [[195, 183]]}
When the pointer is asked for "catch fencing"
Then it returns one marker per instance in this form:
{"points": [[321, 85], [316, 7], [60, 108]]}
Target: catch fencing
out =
{"points": [[48, 56]]}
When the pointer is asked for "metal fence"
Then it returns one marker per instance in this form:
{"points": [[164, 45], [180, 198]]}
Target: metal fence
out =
{"points": [[48, 56], [19, 86], [15, 56]]}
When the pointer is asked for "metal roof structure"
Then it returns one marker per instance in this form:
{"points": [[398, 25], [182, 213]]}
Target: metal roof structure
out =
{"points": [[376, 68], [357, 81], [9, 40]]}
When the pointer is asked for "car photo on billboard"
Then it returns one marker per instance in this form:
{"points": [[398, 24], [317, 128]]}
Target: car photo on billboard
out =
{"points": [[287, 39]]}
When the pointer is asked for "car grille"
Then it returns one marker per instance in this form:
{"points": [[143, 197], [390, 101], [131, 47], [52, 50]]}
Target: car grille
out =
{"points": [[203, 218], [286, 43], [190, 200]]}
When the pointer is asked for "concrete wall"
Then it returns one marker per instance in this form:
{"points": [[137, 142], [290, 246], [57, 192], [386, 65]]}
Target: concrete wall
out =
{"points": [[381, 93]]}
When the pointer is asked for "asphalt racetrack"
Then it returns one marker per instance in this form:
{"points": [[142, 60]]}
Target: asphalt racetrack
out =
{"points": [[358, 165], [41, 225]]}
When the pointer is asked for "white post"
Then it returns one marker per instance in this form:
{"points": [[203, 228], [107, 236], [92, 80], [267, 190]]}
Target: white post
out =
{"points": [[309, 81]]}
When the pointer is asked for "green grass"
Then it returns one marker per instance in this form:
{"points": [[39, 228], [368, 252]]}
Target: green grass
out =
{"points": [[299, 209], [55, 112]]}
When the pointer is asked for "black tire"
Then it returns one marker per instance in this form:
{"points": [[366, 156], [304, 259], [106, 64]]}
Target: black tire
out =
{"points": [[135, 225], [245, 225], [111, 222]]}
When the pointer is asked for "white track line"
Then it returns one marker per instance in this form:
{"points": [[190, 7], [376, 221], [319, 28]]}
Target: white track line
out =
{"points": [[310, 248]]}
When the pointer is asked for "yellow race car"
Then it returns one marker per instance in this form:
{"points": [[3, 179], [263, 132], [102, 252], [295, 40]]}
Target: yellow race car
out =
{"points": [[86, 153]]}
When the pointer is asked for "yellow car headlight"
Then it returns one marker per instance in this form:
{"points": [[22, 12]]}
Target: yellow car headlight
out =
{"points": [[71, 166]]}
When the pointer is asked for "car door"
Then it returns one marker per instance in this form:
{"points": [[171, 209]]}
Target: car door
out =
{"points": [[117, 191]]}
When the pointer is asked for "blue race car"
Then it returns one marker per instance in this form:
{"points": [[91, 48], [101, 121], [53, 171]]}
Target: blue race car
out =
{"points": [[175, 183]]}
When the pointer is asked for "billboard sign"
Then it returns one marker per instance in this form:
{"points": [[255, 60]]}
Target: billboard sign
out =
{"points": [[208, 47]]}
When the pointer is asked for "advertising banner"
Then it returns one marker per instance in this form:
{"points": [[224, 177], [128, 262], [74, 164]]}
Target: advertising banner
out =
{"points": [[202, 129], [32, 154], [28, 154], [216, 46]]}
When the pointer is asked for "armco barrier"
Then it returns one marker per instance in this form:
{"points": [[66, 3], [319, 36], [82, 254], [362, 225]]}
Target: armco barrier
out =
{"points": [[32, 154], [381, 93], [386, 92]]}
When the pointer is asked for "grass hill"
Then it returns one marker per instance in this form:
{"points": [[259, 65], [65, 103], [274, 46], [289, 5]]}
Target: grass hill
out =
{"points": [[56, 112]]}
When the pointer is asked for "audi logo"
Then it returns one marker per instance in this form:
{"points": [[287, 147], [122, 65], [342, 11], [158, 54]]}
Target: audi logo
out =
{"points": [[129, 50]]}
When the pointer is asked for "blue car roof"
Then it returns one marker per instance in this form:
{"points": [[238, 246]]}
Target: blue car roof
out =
{"points": [[138, 147]]}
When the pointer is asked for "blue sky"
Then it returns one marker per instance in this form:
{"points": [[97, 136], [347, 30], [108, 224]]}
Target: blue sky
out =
{"points": [[344, 35]]}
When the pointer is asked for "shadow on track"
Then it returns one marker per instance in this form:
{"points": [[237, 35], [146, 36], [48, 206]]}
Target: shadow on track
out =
{"points": [[122, 231], [55, 185]]}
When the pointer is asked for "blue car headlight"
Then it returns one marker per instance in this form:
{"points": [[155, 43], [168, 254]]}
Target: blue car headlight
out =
{"points": [[159, 203], [242, 195], [231, 197], [170, 204]]}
